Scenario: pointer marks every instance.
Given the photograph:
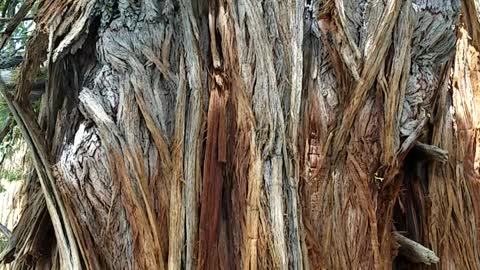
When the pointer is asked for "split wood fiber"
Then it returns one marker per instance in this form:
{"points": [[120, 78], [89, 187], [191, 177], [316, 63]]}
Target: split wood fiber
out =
{"points": [[220, 134]]}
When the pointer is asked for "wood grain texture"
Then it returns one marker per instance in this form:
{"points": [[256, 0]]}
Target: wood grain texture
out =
{"points": [[250, 134]]}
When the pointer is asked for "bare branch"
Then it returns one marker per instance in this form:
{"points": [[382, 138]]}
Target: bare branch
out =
{"points": [[414, 251], [4, 19], [10, 62], [432, 151], [5, 231], [6, 128], [15, 21]]}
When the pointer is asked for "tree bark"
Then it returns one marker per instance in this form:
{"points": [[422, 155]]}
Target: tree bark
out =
{"points": [[212, 134]]}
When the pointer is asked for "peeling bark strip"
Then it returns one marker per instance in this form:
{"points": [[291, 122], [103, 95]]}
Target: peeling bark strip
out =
{"points": [[177, 208], [450, 221], [251, 135], [67, 245], [209, 227]]}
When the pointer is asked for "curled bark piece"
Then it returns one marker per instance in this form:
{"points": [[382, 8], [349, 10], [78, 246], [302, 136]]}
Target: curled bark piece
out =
{"points": [[432, 151], [414, 251]]}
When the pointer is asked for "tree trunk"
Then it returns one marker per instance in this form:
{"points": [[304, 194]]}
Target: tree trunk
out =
{"points": [[178, 134]]}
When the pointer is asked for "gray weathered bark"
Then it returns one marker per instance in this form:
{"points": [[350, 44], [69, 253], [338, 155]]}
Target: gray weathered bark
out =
{"points": [[250, 135]]}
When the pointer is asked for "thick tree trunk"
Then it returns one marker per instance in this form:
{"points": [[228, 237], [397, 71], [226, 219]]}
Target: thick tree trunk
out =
{"points": [[251, 135]]}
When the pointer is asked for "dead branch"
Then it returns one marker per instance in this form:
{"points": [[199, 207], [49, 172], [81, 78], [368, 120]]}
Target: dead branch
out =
{"points": [[6, 129], [4, 19], [10, 62], [5, 231], [415, 252], [432, 151], [15, 21]]}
